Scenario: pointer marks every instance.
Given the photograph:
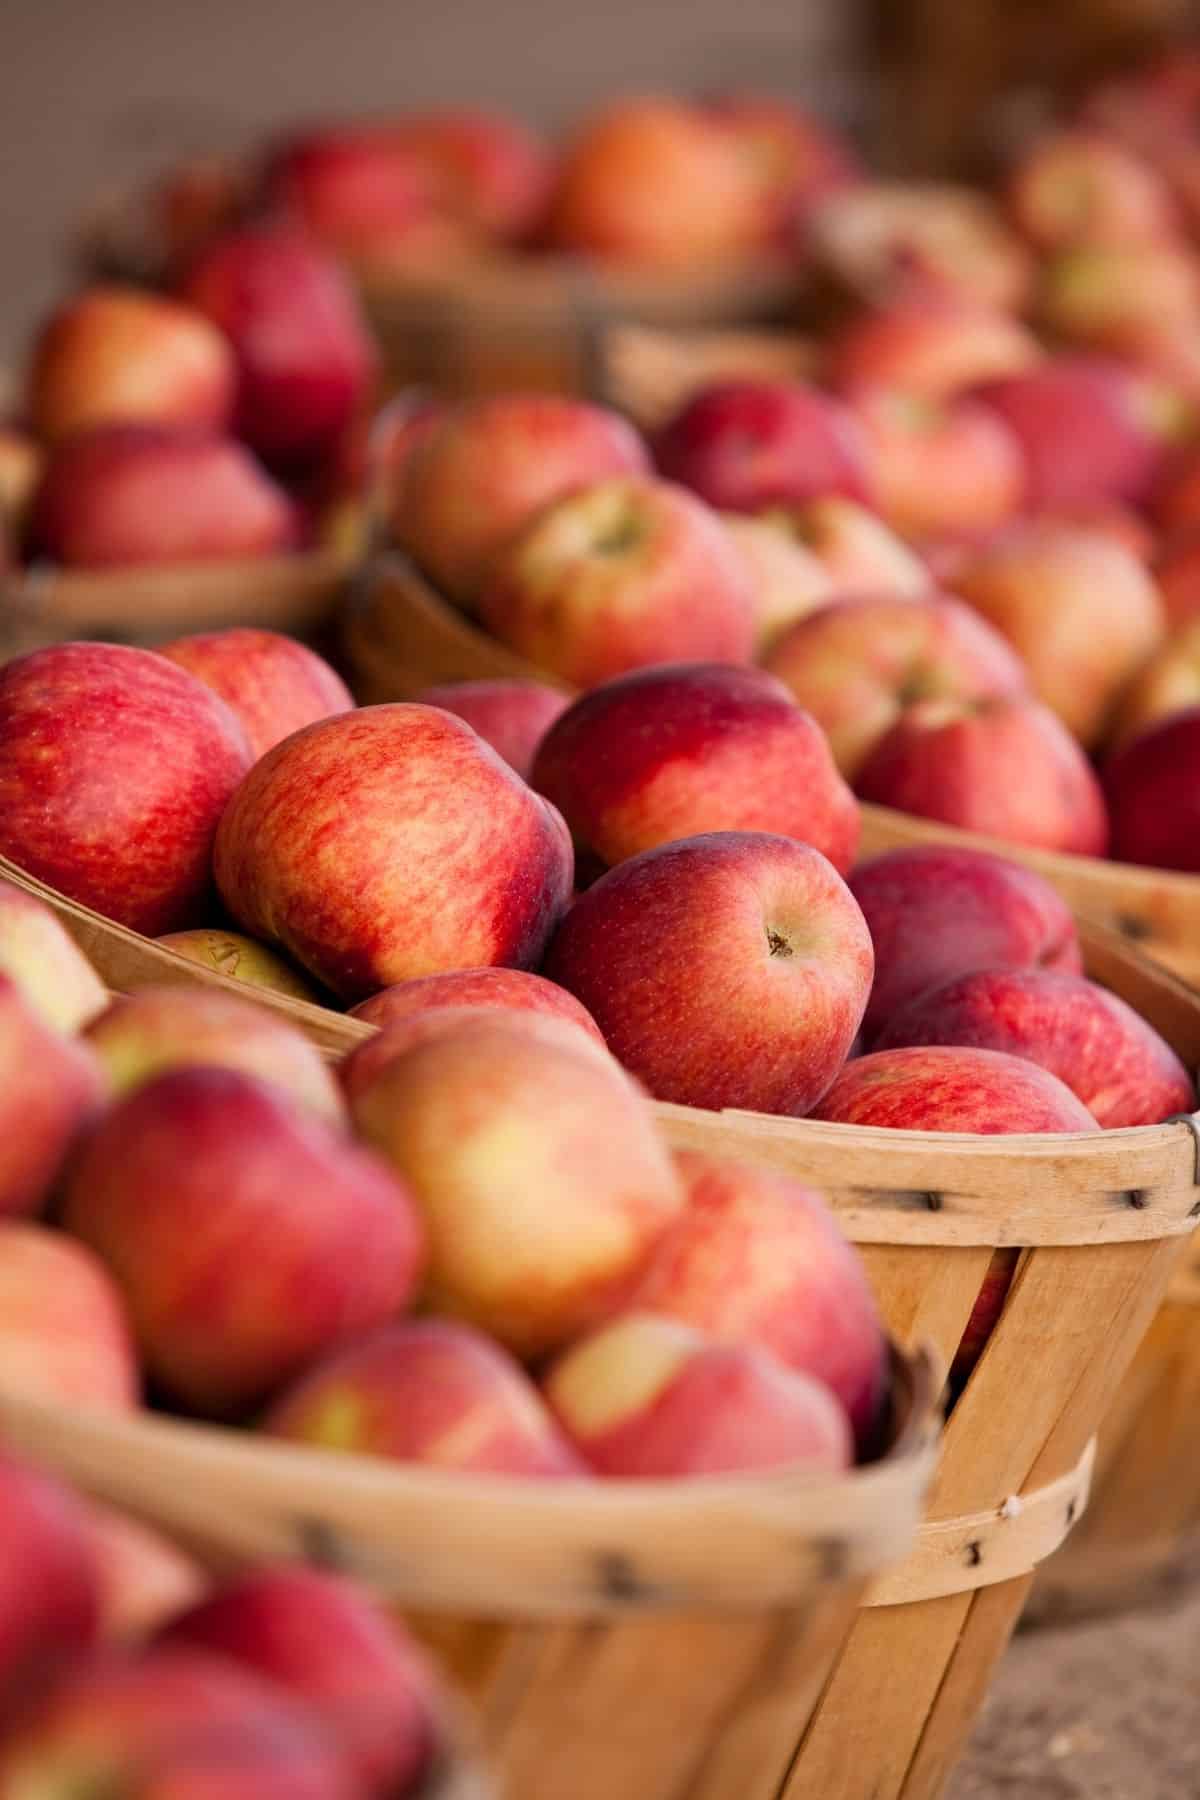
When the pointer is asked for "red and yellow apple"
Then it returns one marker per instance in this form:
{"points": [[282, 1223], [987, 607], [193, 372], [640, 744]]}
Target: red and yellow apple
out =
{"points": [[513, 716], [273, 684], [64, 1332]]}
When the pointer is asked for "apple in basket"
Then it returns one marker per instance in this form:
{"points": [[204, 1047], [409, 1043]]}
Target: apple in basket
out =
{"points": [[934, 344], [513, 716], [1153, 785], [1081, 187], [52, 973], [273, 684], [49, 1593], [64, 1328], [1169, 683], [240, 958], [747, 445]]}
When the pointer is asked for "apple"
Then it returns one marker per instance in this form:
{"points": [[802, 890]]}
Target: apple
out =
{"points": [[392, 842], [747, 445], [428, 1391], [1177, 574], [142, 1035], [114, 769], [797, 158], [36, 953], [488, 466], [861, 554], [499, 175], [21, 462], [510, 989], [305, 361], [1109, 296], [1090, 428], [934, 345], [656, 183], [1112, 1060], [1169, 683], [63, 1327], [50, 1089], [648, 1397], [133, 495], [247, 1235], [264, 1761], [320, 1638], [897, 240], [757, 1258], [1112, 519], [1081, 611], [1152, 783], [952, 1088], [1079, 187], [936, 913], [1176, 500], [728, 970], [273, 684], [49, 1594], [623, 575], [118, 356], [145, 1579], [241, 959], [857, 665], [669, 753], [1004, 767], [513, 716], [940, 465], [364, 192], [359, 1069], [788, 580], [535, 1164]]}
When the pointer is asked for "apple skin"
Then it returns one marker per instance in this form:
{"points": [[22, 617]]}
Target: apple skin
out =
{"points": [[952, 1088], [118, 356], [935, 345], [1007, 768], [936, 913], [647, 1397], [145, 1579], [673, 752], [128, 496], [798, 159], [114, 769], [1080, 187], [728, 970], [747, 445], [489, 466], [899, 240], [48, 967], [266, 1761], [861, 554], [1087, 427], [511, 989], [50, 1090], [1112, 1060], [535, 1164], [1152, 783], [392, 842], [500, 175], [940, 465], [758, 1258], [320, 1637], [1169, 683], [431, 1392], [247, 1236], [1175, 503], [1114, 297], [142, 1035], [1177, 573], [241, 959], [788, 581], [1080, 610], [366, 194], [273, 684], [624, 574], [857, 665], [64, 1332], [305, 360], [512, 716], [49, 1591]]}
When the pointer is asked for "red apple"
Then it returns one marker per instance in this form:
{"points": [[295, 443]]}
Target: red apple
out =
{"points": [[510, 989], [787, 579], [1177, 574], [940, 466], [670, 753], [942, 1088], [114, 769], [535, 1163], [650, 1397], [936, 913], [131, 495], [861, 554], [512, 716], [894, 241], [50, 1088], [1109, 297], [1112, 519], [321, 1639], [746, 445], [857, 665], [729, 970], [305, 362], [360, 1068], [44, 961], [142, 1035], [247, 1236], [935, 345], [429, 1392], [273, 684], [1153, 789], [49, 1592], [1169, 683], [757, 1258], [392, 842], [1080, 187], [498, 174], [798, 160], [1112, 1060], [489, 466], [1176, 501], [63, 1328], [264, 1761], [118, 356], [241, 959], [623, 575], [1006, 768], [367, 194]]}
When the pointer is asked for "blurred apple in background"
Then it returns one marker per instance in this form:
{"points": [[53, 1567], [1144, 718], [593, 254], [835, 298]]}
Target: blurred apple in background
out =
{"points": [[494, 172], [1168, 683], [670, 753], [1114, 297], [797, 158], [47, 966], [49, 1598], [1080, 187], [1004, 767], [1153, 786], [940, 466], [622, 575], [894, 240], [1175, 503], [133, 495], [241, 959], [935, 345], [273, 684], [725, 970], [397, 1036], [747, 445], [1177, 575], [787, 580], [860, 554], [857, 665], [50, 1088], [392, 842], [512, 716], [64, 1332]]}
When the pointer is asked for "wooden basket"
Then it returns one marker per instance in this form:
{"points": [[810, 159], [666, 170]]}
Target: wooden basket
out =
{"points": [[1099, 1222]]}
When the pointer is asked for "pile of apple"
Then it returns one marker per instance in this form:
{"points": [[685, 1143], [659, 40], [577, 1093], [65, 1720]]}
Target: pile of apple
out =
{"points": [[124, 1672]]}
